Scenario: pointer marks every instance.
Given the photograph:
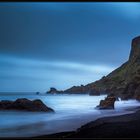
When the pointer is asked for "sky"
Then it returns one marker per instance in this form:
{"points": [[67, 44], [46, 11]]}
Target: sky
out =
{"points": [[61, 44]]}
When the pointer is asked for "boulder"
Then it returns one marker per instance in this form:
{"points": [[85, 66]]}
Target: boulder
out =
{"points": [[107, 103], [24, 104]]}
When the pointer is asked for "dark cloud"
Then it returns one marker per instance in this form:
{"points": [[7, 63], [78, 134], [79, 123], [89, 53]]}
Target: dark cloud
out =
{"points": [[81, 33]]}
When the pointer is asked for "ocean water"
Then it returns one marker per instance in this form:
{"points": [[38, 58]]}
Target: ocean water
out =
{"points": [[71, 111]]}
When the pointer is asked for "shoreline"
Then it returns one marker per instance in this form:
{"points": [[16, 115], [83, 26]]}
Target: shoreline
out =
{"points": [[75, 123], [120, 126]]}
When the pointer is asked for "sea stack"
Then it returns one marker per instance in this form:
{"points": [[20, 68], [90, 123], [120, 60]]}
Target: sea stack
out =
{"points": [[107, 103]]}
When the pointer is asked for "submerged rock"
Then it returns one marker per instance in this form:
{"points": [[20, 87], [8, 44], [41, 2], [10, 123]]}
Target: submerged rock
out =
{"points": [[107, 103], [24, 104]]}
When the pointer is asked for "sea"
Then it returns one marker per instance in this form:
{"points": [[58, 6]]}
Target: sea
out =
{"points": [[71, 112]]}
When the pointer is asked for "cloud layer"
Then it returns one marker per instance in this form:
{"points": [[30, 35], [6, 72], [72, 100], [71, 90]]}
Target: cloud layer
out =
{"points": [[25, 72], [63, 44]]}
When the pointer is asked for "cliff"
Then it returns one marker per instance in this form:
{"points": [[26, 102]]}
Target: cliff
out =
{"points": [[123, 82]]}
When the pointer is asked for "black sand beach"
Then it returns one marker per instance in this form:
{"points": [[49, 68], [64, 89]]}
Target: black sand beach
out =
{"points": [[123, 126]]}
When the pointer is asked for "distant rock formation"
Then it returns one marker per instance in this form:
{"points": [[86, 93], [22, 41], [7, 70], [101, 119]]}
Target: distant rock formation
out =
{"points": [[54, 90], [37, 93], [76, 89], [107, 103], [124, 82], [94, 92], [24, 104]]}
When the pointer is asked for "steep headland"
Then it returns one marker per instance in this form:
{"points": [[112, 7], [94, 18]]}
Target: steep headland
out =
{"points": [[123, 82]]}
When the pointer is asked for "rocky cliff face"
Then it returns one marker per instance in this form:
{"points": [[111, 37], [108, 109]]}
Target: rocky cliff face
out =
{"points": [[77, 90], [124, 82]]}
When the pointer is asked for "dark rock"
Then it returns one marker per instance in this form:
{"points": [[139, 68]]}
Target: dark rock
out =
{"points": [[24, 104], [107, 103], [135, 50], [94, 92], [77, 90], [37, 93], [129, 91], [6, 104], [40, 106], [137, 93], [54, 90]]}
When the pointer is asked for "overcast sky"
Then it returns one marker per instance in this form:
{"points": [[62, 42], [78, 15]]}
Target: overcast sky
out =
{"points": [[59, 45]]}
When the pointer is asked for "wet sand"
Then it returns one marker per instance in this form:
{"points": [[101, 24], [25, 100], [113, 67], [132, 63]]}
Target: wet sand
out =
{"points": [[123, 126]]}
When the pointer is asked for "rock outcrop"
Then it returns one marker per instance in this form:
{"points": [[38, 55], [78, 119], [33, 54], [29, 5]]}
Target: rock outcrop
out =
{"points": [[77, 89], [107, 103], [37, 93], [94, 92], [123, 82], [54, 90], [24, 104]]}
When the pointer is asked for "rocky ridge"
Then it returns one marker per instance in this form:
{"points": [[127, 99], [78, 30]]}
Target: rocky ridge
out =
{"points": [[123, 82]]}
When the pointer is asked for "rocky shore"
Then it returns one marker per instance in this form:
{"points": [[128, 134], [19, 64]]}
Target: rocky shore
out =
{"points": [[124, 82], [123, 126]]}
